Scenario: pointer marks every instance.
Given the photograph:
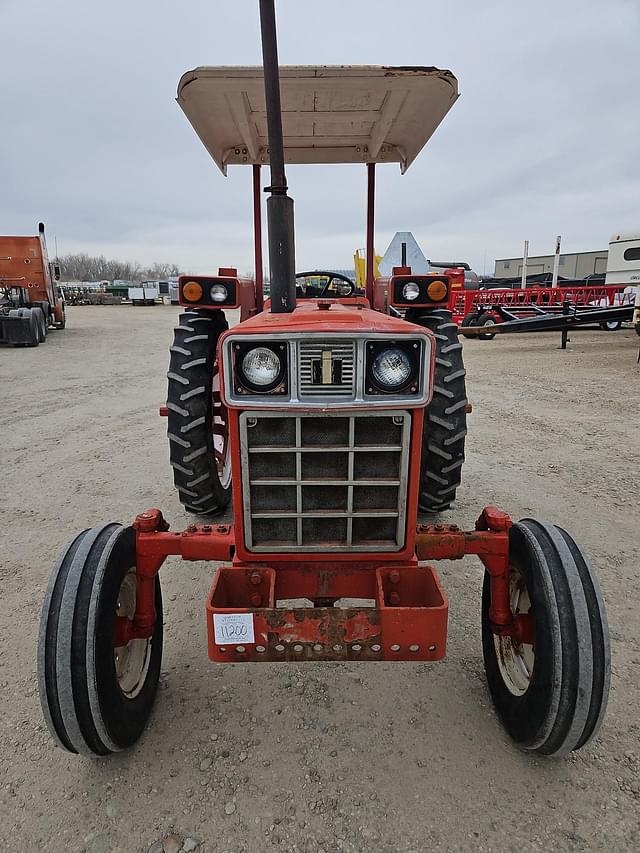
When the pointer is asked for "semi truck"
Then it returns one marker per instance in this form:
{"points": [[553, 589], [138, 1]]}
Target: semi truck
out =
{"points": [[31, 300]]}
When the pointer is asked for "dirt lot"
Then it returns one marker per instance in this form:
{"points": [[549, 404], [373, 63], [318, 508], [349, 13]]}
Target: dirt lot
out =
{"points": [[328, 757]]}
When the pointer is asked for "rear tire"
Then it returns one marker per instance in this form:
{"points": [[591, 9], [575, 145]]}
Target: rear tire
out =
{"points": [[550, 695], [96, 699], [445, 426], [62, 323], [33, 328], [41, 323], [611, 325], [197, 423]]}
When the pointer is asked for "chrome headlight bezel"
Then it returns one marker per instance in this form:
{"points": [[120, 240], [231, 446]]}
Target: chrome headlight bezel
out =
{"points": [[411, 384], [243, 384]]}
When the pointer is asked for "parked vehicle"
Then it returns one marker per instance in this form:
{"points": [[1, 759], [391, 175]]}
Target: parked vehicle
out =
{"points": [[31, 301], [623, 260], [146, 293]]}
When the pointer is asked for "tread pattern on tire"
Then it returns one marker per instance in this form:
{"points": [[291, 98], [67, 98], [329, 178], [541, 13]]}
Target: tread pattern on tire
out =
{"points": [[41, 323], [71, 730], [445, 424], [599, 640], [189, 405], [71, 667]]}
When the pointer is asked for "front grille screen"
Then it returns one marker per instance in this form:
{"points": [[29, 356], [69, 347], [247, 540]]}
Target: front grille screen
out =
{"points": [[324, 482], [326, 369]]}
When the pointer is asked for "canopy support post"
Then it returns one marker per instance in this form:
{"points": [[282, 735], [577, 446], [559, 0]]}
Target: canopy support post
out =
{"points": [[257, 237], [371, 188]]}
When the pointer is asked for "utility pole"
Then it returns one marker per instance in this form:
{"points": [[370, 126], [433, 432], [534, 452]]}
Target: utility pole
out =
{"points": [[556, 263], [525, 258]]}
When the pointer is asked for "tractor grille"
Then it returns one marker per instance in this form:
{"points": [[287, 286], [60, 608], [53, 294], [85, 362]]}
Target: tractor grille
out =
{"points": [[326, 369], [316, 482]]}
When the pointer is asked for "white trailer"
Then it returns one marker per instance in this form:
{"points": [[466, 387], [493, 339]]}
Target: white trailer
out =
{"points": [[623, 261], [144, 294]]}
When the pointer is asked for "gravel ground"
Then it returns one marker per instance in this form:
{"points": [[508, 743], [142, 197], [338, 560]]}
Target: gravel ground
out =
{"points": [[324, 757]]}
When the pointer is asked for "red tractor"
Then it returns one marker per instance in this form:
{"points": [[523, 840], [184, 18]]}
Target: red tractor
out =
{"points": [[337, 416]]}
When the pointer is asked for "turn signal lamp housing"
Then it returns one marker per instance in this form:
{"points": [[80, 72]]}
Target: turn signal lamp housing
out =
{"points": [[221, 291], [418, 291]]}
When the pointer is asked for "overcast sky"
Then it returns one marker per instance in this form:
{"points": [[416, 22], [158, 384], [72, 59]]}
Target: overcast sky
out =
{"points": [[544, 140]]}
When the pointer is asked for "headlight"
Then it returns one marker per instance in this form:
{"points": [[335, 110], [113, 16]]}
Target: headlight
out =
{"points": [[261, 369], [218, 293], [411, 291], [391, 368]]}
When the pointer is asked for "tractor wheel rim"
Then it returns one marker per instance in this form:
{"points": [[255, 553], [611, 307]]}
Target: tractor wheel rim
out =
{"points": [[515, 659], [220, 426], [131, 661]]}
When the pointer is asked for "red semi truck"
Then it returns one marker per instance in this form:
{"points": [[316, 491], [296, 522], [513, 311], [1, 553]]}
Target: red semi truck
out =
{"points": [[31, 301]]}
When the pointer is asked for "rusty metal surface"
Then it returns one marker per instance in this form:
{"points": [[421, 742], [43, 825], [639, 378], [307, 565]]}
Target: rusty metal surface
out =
{"points": [[408, 621]]}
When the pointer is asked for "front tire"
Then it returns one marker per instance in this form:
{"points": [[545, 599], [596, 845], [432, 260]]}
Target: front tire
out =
{"points": [[445, 425], [551, 694], [197, 422], [486, 319], [96, 698], [469, 320]]}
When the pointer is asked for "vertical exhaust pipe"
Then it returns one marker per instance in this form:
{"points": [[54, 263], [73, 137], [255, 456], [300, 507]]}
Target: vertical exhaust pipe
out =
{"points": [[279, 205]]}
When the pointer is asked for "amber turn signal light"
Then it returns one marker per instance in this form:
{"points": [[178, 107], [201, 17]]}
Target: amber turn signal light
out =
{"points": [[192, 291], [437, 290]]}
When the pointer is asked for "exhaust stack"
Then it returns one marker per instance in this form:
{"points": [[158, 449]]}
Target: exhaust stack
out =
{"points": [[282, 263]]}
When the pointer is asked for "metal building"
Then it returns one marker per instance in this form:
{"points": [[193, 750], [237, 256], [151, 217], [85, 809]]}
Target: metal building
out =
{"points": [[574, 265]]}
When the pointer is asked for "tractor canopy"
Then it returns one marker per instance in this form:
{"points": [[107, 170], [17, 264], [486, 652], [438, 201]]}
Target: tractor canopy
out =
{"points": [[330, 114]]}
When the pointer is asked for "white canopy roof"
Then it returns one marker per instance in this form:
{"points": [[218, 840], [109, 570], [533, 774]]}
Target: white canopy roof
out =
{"points": [[330, 114]]}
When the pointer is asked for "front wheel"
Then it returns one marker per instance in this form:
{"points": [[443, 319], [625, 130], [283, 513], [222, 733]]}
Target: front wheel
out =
{"points": [[469, 320], [486, 319], [96, 696], [550, 692]]}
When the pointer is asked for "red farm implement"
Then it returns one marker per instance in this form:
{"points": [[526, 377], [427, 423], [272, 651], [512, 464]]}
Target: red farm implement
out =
{"points": [[486, 307], [336, 421]]}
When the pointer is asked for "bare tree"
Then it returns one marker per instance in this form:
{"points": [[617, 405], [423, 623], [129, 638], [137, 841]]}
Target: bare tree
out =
{"points": [[83, 267]]}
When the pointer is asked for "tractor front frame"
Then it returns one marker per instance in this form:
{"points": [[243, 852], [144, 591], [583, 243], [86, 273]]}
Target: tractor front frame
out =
{"points": [[277, 610]]}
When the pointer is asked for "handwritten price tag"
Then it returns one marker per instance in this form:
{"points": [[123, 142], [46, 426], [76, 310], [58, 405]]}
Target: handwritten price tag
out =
{"points": [[233, 627]]}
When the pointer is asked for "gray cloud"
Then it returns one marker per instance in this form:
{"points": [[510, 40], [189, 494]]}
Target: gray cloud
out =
{"points": [[544, 139]]}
